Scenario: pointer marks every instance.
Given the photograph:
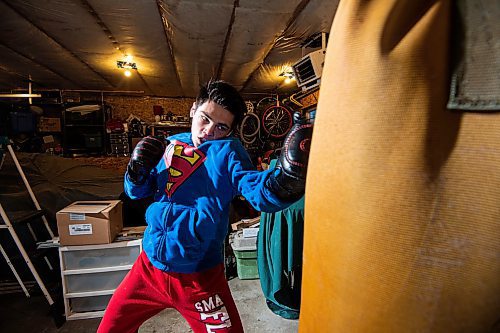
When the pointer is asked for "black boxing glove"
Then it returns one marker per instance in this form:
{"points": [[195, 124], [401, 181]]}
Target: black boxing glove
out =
{"points": [[289, 180], [146, 155]]}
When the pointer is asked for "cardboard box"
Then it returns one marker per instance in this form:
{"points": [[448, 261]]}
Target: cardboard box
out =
{"points": [[89, 222], [46, 124]]}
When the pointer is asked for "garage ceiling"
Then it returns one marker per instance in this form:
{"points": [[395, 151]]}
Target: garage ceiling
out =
{"points": [[74, 45]]}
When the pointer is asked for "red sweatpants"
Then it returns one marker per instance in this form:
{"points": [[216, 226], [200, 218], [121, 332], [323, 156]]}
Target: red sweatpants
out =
{"points": [[202, 298]]}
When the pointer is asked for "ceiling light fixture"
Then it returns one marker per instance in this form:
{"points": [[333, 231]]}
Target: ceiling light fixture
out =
{"points": [[127, 64], [288, 75]]}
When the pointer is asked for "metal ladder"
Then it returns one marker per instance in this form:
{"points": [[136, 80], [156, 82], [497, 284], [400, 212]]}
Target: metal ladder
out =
{"points": [[8, 224]]}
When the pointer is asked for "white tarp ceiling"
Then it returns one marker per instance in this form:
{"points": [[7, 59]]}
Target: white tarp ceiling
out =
{"points": [[177, 45]]}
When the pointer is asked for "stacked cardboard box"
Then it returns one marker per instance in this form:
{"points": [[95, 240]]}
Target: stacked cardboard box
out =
{"points": [[89, 222]]}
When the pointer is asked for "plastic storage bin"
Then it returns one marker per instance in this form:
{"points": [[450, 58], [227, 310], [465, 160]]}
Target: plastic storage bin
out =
{"points": [[92, 303], [244, 243], [92, 116], [91, 273], [97, 258], [245, 251], [22, 122], [93, 140], [246, 264], [77, 283]]}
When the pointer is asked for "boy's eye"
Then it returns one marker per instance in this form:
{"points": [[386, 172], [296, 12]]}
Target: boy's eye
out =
{"points": [[222, 128]]}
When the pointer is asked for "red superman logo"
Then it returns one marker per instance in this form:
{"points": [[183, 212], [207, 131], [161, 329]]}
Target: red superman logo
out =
{"points": [[181, 161]]}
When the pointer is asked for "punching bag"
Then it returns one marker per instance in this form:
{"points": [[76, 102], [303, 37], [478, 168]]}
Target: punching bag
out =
{"points": [[402, 205]]}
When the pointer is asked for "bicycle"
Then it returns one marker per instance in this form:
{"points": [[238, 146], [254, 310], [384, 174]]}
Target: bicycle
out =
{"points": [[276, 121]]}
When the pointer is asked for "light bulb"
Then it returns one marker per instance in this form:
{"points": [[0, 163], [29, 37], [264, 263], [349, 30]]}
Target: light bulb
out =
{"points": [[127, 73], [128, 58], [288, 80]]}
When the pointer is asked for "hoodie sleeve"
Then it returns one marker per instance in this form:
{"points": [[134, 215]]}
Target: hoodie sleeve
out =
{"points": [[250, 183], [140, 191]]}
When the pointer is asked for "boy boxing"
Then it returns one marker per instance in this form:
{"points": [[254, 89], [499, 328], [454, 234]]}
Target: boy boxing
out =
{"points": [[193, 177]]}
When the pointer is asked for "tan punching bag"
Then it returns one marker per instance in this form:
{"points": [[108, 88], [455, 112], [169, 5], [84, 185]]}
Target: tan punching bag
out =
{"points": [[402, 210]]}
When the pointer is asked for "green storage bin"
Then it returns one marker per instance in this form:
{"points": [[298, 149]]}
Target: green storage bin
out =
{"points": [[246, 264]]}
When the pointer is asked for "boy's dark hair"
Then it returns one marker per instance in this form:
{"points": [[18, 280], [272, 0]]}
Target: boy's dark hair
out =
{"points": [[226, 96]]}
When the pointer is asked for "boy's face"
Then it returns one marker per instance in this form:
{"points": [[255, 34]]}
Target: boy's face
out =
{"points": [[210, 122]]}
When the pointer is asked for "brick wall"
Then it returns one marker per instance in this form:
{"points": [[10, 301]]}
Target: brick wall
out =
{"points": [[142, 106]]}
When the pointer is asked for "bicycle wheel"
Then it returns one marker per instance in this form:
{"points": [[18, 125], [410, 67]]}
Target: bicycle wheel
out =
{"points": [[277, 121], [249, 128], [264, 103]]}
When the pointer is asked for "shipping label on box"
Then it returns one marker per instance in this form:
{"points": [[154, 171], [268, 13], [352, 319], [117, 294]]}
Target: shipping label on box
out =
{"points": [[80, 229], [250, 232], [89, 222], [76, 216]]}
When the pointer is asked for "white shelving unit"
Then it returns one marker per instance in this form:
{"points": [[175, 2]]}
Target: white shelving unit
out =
{"points": [[91, 273]]}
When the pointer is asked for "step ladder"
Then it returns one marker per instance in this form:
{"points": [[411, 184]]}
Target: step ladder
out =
{"points": [[9, 220]]}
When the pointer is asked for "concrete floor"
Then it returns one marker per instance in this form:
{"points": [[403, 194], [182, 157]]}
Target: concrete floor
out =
{"points": [[23, 315]]}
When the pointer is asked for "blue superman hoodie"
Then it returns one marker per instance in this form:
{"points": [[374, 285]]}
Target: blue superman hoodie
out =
{"points": [[193, 188]]}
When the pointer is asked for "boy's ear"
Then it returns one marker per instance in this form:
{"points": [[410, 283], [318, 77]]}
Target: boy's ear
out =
{"points": [[193, 110]]}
